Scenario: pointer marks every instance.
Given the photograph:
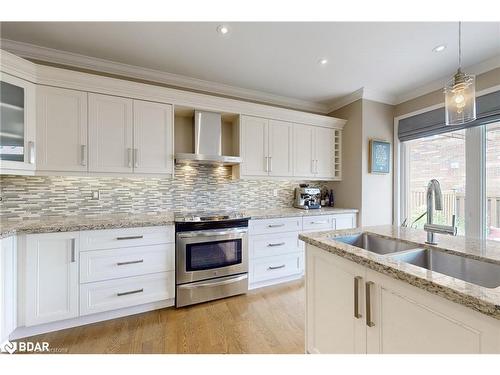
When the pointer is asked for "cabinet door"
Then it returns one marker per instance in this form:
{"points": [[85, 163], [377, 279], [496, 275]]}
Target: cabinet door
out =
{"points": [[331, 326], [8, 287], [407, 320], [17, 125], [51, 277], [152, 137], [303, 151], [254, 146], [324, 150], [280, 148], [61, 129], [110, 134]]}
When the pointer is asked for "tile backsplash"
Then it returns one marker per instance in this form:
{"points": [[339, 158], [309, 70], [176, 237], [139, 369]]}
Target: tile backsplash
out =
{"points": [[193, 188]]}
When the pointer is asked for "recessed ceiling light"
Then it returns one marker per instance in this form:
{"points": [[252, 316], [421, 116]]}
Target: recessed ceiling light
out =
{"points": [[222, 29], [323, 62], [439, 48]]}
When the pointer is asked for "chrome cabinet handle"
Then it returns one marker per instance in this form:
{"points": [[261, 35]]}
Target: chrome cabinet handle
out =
{"points": [[369, 321], [130, 292], [83, 155], [319, 222], [267, 163], [129, 238], [276, 267], [276, 225], [276, 244], [312, 166], [129, 154], [357, 314], [130, 262], [73, 252], [31, 151], [270, 163], [316, 164], [136, 158]]}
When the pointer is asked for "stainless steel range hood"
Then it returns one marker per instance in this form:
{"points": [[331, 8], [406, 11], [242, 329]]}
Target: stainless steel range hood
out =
{"points": [[207, 142]]}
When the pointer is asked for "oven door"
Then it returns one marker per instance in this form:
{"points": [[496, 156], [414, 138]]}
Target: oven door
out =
{"points": [[207, 254]]}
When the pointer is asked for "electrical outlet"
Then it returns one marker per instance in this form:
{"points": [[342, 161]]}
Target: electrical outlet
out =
{"points": [[275, 192], [95, 195]]}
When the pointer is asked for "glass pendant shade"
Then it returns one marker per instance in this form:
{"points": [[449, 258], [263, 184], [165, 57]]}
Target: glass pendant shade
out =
{"points": [[460, 99]]}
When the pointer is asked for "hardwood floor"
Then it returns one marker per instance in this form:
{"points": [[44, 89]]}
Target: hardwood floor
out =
{"points": [[268, 320]]}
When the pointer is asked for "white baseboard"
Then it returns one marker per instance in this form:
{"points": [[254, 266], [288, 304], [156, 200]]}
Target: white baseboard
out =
{"points": [[262, 284], [22, 332]]}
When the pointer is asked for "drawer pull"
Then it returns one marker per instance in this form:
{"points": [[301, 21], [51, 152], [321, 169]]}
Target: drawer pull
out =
{"points": [[130, 292], [276, 225], [129, 238], [276, 244], [276, 267], [130, 262], [319, 222]]}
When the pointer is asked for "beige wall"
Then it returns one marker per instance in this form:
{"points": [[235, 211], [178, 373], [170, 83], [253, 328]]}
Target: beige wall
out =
{"points": [[348, 192], [370, 193], [483, 81], [378, 120]]}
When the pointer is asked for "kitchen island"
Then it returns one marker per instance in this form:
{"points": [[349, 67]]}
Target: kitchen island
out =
{"points": [[361, 301]]}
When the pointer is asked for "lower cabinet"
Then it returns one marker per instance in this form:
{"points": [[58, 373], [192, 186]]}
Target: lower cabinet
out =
{"points": [[8, 289], [351, 309], [51, 277]]}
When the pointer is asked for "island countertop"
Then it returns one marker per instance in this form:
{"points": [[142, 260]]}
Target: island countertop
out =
{"points": [[476, 297]]}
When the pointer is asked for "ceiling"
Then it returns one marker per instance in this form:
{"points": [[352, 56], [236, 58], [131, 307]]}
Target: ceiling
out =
{"points": [[279, 58]]}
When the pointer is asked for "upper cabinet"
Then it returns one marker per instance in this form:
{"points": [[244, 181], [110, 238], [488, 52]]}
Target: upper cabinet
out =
{"points": [[61, 129], [284, 149], [110, 134], [17, 125]]}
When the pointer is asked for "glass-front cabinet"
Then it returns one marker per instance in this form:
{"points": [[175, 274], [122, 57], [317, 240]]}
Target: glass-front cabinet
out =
{"points": [[17, 124]]}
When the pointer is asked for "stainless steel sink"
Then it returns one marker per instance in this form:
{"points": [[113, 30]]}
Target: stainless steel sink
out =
{"points": [[466, 269], [375, 244]]}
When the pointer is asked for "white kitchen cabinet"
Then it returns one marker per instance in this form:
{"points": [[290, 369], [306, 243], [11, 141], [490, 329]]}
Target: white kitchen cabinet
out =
{"points": [[8, 287], [110, 134], [153, 141], [352, 309], [316, 152], [333, 285], [51, 277], [408, 320], [254, 146], [303, 150], [61, 130], [280, 143], [17, 125], [266, 147]]}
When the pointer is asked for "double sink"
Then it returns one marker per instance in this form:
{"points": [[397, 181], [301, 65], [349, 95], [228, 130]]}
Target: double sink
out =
{"points": [[471, 270]]}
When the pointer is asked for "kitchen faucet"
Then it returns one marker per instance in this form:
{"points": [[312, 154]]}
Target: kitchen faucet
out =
{"points": [[430, 227]]}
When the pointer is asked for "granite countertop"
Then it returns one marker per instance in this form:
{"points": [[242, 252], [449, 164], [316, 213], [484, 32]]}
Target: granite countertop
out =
{"points": [[129, 220], [78, 223], [482, 299], [270, 213]]}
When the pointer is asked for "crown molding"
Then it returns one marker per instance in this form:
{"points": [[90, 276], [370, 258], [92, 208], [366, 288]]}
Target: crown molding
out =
{"points": [[439, 84], [54, 56], [362, 93]]}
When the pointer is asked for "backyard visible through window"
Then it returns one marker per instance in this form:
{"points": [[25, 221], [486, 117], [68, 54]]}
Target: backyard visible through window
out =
{"points": [[493, 181], [441, 157]]}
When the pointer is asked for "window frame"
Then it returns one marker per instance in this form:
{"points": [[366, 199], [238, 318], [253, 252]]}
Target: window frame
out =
{"points": [[475, 160]]}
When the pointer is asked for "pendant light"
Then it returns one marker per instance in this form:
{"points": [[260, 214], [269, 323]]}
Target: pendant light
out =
{"points": [[460, 93]]}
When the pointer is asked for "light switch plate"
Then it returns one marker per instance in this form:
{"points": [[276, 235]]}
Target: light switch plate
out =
{"points": [[275, 192], [95, 195]]}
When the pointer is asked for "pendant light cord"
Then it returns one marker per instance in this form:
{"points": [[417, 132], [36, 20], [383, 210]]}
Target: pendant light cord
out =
{"points": [[459, 45]]}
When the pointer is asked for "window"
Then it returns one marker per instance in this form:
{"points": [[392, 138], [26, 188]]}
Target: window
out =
{"points": [[441, 157], [493, 181]]}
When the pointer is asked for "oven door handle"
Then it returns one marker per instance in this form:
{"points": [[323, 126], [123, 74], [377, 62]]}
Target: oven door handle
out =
{"points": [[215, 283], [210, 233]]}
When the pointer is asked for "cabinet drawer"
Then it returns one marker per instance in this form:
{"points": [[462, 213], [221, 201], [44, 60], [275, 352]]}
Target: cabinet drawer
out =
{"points": [[109, 264], [269, 268], [126, 237], [265, 245], [318, 222], [286, 224], [120, 293]]}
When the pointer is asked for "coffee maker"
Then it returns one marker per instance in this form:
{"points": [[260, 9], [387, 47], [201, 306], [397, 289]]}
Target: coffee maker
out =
{"points": [[307, 197]]}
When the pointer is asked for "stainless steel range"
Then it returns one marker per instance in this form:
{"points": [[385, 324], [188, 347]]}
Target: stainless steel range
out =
{"points": [[211, 257]]}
